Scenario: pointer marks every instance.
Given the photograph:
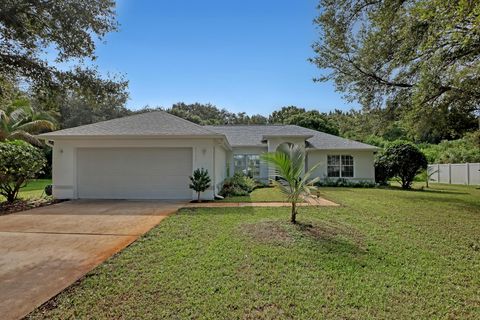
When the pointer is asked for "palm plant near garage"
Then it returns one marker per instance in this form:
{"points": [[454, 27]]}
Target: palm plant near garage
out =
{"points": [[21, 121], [289, 165]]}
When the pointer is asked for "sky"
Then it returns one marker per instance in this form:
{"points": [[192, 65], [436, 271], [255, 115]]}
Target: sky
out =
{"points": [[246, 56]]}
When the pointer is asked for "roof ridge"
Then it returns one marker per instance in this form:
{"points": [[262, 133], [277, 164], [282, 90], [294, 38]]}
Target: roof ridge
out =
{"points": [[248, 125], [187, 121]]}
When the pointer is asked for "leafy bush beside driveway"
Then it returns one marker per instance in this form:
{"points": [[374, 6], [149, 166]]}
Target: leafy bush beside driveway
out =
{"points": [[19, 163]]}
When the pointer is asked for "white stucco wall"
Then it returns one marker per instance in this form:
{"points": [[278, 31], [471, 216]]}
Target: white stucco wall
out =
{"points": [[65, 159], [220, 167], [363, 162]]}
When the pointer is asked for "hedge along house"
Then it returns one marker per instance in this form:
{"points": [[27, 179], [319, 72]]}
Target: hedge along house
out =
{"points": [[152, 155]]}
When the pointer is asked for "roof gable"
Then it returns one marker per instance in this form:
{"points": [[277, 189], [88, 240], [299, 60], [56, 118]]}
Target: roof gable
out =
{"points": [[150, 123], [253, 135]]}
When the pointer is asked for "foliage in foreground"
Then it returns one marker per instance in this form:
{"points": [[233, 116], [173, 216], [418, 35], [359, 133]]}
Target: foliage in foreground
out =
{"points": [[289, 164], [19, 163], [419, 59], [68, 30], [200, 181]]}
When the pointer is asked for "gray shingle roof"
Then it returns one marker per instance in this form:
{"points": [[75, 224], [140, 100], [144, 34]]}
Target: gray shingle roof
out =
{"points": [[252, 136], [164, 124], [151, 123]]}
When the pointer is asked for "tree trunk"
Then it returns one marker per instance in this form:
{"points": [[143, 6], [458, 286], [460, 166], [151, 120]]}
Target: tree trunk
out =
{"points": [[11, 197], [293, 218], [198, 196]]}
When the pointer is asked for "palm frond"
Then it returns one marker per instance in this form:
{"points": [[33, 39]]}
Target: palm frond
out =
{"points": [[36, 126], [4, 116], [18, 114], [25, 136]]}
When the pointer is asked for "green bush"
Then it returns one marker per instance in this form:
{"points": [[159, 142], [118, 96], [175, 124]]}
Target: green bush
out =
{"points": [[341, 182], [462, 150], [382, 170], [19, 163], [238, 185], [402, 160]]}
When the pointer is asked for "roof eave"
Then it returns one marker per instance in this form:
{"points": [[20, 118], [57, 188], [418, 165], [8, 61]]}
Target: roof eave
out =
{"points": [[265, 137], [343, 148], [46, 136]]}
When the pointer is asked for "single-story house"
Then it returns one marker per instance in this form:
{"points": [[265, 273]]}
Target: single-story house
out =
{"points": [[152, 155]]}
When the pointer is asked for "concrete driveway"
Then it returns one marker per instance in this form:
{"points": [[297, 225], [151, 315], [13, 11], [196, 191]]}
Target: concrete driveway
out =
{"points": [[44, 250]]}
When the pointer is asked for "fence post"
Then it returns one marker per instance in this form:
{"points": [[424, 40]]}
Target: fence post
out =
{"points": [[449, 173], [467, 167]]}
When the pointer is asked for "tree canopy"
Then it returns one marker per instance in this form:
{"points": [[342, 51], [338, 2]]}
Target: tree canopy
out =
{"points": [[31, 31], [419, 58]]}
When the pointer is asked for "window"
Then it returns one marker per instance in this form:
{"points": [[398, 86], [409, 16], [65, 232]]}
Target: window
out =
{"points": [[248, 164], [340, 166]]}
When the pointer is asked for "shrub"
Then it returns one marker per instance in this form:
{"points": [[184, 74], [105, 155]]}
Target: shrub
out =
{"points": [[48, 190], [462, 150], [200, 181], [404, 161], [328, 182], [382, 170], [238, 185], [19, 163]]}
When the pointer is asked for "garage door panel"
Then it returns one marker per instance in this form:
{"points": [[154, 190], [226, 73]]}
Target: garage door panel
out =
{"points": [[134, 173]]}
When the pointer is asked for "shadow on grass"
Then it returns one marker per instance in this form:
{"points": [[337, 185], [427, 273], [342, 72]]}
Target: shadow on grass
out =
{"points": [[218, 211], [434, 191], [474, 205], [324, 236]]}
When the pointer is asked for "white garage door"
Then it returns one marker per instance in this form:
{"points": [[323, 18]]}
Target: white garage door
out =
{"points": [[134, 173]]}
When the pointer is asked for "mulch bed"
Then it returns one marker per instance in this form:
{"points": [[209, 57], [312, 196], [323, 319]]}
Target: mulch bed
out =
{"points": [[22, 205]]}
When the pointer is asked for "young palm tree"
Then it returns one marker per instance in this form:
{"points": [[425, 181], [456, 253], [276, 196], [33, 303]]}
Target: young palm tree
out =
{"points": [[289, 163], [20, 121]]}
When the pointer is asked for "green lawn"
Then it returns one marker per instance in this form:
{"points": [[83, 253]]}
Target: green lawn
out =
{"points": [[259, 195], [383, 254], [34, 189]]}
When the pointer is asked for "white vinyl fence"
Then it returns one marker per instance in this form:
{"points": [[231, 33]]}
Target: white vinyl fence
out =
{"points": [[455, 173]]}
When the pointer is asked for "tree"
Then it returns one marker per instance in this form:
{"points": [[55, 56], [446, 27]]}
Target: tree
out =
{"points": [[19, 162], [67, 29], [204, 114], [289, 164], [404, 161], [21, 121], [200, 181], [421, 57], [462, 150], [313, 120], [280, 116], [77, 108]]}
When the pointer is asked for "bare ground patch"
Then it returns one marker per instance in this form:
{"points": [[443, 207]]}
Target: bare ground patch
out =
{"points": [[328, 231], [285, 233], [271, 232]]}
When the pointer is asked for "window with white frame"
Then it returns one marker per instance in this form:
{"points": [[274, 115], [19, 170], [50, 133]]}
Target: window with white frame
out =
{"points": [[340, 166], [247, 164]]}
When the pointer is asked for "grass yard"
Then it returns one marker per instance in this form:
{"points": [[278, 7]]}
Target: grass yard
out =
{"points": [[384, 254], [34, 189], [269, 194]]}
